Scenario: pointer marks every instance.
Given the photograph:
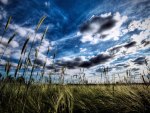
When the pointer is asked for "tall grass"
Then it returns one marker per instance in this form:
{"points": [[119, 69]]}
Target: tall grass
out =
{"points": [[18, 95], [76, 99], [6, 27]]}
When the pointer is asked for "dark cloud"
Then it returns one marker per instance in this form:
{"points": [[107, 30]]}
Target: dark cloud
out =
{"points": [[114, 50], [104, 23], [39, 62], [145, 42], [122, 65], [78, 59], [131, 44], [108, 24], [84, 27], [139, 61], [101, 58], [50, 67], [55, 68], [70, 64], [85, 64], [77, 62]]}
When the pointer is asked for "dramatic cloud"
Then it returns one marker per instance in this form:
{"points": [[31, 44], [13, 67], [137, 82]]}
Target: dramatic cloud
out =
{"points": [[115, 49], [139, 61], [123, 49], [69, 62], [97, 24], [119, 39], [5, 2], [80, 62], [86, 64], [39, 62], [131, 44], [101, 28], [139, 24], [143, 37], [101, 58], [145, 42], [137, 41], [122, 65]]}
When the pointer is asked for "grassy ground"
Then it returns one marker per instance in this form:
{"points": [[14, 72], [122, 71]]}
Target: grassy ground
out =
{"points": [[74, 99]]}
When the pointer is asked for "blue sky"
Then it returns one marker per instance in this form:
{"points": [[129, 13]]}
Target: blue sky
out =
{"points": [[88, 34]]}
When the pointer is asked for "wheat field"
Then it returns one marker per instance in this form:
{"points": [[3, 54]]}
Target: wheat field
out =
{"points": [[20, 96]]}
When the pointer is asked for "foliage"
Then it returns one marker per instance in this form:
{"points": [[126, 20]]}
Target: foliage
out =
{"points": [[75, 99]]}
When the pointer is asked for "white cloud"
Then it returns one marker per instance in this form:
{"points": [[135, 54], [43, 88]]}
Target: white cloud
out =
{"points": [[44, 58], [87, 38], [114, 33], [83, 49], [13, 43], [141, 36], [139, 24], [144, 34], [82, 58], [6, 52], [3, 13], [143, 26], [43, 48], [24, 32], [5, 2], [16, 54], [47, 4], [106, 14]]}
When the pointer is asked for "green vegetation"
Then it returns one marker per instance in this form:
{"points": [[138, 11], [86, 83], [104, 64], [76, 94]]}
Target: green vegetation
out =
{"points": [[75, 99]]}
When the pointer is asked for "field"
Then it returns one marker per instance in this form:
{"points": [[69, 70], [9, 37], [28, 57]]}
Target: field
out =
{"points": [[21, 92], [17, 98]]}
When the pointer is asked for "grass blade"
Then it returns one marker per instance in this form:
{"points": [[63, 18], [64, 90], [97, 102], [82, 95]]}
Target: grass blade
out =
{"points": [[24, 46], [11, 38], [44, 33], [8, 22], [39, 23]]}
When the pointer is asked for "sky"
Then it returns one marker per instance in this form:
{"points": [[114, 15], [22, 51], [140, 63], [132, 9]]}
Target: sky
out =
{"points": [[85, 35]]}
